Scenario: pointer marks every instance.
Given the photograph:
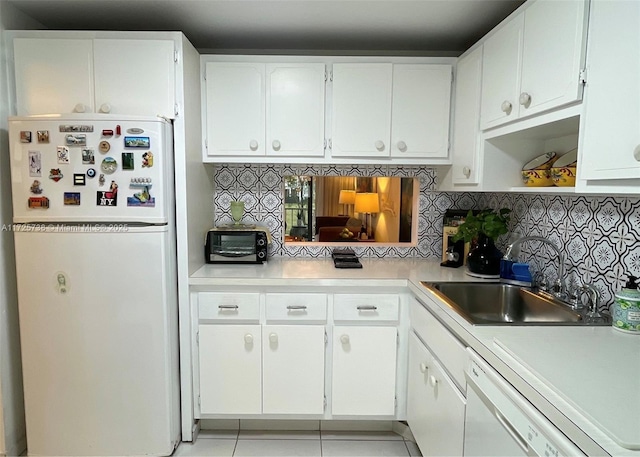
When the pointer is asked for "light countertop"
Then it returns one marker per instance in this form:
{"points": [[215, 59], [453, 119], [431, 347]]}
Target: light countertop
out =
{"points": [[585, 379]]}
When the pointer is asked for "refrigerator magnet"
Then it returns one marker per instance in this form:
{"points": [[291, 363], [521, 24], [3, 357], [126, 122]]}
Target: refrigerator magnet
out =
{"points": [[35, 164], [76, 128], [91, 173], [109, 165], [35, 187], [77, 139], [38, 202], [147, 159], [55, 174], [63, 154], [142, 198], [88, 157], [104, 146], [71, 198], [101, 179], [127, 161], [137, 142], [79, 179], [141, 182], [107, 132], [25, 136], [108, 197], [43, 136]]}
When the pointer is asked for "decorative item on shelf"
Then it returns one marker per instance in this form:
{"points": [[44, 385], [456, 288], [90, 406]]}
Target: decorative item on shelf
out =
{"points": [[237, 211], [482, 230], [625, 311], [347, 198], [367, 203], [563, 171], [537, 172]]}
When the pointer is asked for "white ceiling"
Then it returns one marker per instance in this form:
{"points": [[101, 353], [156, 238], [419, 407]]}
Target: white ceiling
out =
{"points": [[419, 26]]}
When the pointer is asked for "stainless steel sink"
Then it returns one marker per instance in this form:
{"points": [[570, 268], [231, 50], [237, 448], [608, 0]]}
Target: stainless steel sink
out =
{"points": [[504, 304]]}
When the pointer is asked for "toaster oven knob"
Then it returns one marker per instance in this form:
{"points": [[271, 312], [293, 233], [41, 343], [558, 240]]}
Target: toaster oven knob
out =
{"points": [[261, 242], [262, 254]]}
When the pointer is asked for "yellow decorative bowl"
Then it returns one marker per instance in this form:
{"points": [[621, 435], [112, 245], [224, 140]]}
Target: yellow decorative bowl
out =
{"points": [[564, 176], [542, 162], [537, 178]]}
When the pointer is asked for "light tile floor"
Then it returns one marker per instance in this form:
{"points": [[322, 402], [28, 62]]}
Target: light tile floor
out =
{"points": [[253, 443]]}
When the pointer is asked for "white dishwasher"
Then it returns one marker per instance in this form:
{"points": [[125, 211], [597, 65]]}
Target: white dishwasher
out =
{"points": [[499, 421]]}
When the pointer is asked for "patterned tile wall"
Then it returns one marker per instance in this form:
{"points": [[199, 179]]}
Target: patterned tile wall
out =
{"points": [[599, 236]]}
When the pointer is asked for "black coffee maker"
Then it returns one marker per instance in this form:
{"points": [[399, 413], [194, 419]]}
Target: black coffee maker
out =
{"points": [[453, 253]]}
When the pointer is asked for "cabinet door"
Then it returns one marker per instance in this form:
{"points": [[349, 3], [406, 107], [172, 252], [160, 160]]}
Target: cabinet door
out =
{"points": [[421, 108], [552, 55], [230, 369], [361, 123], [611, 128], [501, 74], [293, 369], [53, 75], [235, 108], [435, 407], [364, 371], [135, 77], [295, 109], [466, 123]]}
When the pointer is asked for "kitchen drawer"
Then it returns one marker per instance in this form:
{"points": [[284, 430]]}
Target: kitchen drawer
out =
{"points": [[308, 308], [446, 347], [381, 308], [228, 307]]}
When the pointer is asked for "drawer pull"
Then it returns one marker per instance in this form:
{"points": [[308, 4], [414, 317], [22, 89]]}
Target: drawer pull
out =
{"points": [[367, 308], [296, 307], [227, 306], [423, 367]]}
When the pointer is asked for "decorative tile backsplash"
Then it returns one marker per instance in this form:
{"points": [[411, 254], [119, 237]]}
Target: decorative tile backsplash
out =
{"points": [[599, 236]]}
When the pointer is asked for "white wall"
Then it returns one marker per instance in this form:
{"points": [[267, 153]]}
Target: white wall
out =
{"points": [[12, 426]]}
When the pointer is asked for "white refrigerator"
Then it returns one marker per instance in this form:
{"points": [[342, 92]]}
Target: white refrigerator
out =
{"points": [[94, 229]]}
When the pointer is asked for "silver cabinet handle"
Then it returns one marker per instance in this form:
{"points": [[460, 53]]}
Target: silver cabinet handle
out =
{"points": [[367, 308], [227, 306], [295, 307]]}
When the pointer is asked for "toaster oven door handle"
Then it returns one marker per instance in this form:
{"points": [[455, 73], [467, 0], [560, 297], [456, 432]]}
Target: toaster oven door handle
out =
{"points": [[227, 306]]}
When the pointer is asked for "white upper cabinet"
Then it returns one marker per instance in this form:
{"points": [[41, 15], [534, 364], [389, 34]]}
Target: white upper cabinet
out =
{"points": [[420, 110], [610, 147], [295, 109], [533, 62], [235, 107], [134, 77], [130, 77], [361, 109], [53, 76], [466, 124]]}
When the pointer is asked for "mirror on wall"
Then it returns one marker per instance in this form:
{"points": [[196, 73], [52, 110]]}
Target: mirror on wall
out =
{"points": [[338, 209]]}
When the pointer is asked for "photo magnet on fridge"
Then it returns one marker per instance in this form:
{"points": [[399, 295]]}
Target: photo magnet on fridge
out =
{"points": [[25, 136], [136, 142], [43, 136], [35, 164], [79, 139], [127, 161], [63, 154], [72, 198], [88, 157], [38, 202], [142, 198]]}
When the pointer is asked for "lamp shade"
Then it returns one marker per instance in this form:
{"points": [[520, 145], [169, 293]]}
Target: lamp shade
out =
{"points": [[347, 197], [367, 202]]}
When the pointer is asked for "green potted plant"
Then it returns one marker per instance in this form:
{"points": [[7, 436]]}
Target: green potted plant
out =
{"points": [[482, 230]]}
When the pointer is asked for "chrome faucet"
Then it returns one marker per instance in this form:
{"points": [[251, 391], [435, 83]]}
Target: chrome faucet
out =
{"points": [[559, 286]]}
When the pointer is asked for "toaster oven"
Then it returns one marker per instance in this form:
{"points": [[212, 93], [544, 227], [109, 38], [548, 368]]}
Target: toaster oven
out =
{"points": [[236, 246]]}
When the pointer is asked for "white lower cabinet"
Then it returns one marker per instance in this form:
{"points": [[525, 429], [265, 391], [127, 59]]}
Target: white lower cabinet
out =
{"points": [[230, 369], [364, 370], [293, 369], [435, 406]]}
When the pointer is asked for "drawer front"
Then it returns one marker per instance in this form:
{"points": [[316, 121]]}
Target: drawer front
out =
{"points": [[366, 307], [310, 308], [228, 307], [446, 347]]}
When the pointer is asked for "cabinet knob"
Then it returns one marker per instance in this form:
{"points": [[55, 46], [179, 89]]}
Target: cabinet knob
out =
{"points": [[379, 145], [506, 107], [423, 367], [79, 108], [273, 337], [344, 339], [525, 99], [253, 145], [105, 108], [402, 146], [248, 338], [432, 381], [466, 171], [636, 153], [276, 145]]}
